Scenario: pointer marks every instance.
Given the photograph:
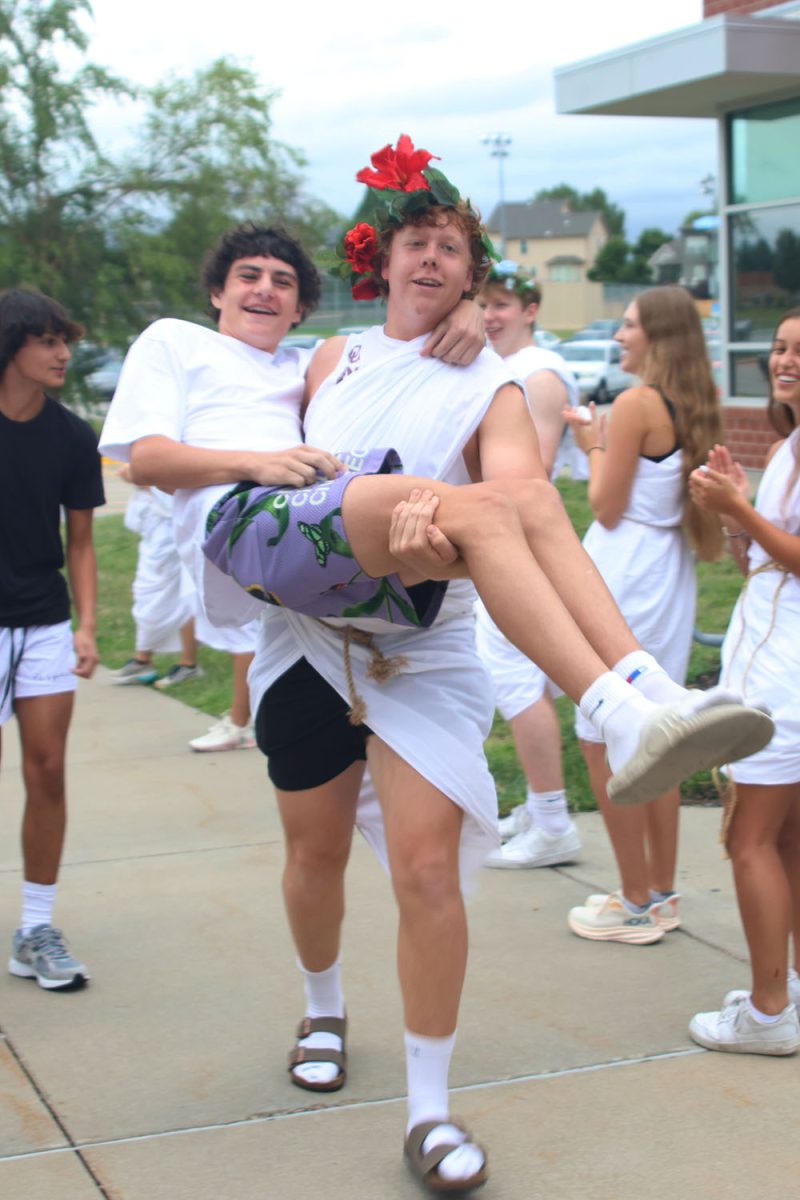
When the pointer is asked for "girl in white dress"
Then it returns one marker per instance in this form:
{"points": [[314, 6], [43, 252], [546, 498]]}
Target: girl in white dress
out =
{"points": [[644, 540], [761, 658]]}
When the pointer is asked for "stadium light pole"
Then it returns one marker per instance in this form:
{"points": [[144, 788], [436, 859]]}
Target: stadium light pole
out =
{"points": [[498, 144]]}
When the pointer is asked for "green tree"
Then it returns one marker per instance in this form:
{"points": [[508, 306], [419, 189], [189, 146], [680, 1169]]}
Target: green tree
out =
{"points": [[594, 201], [54, 178], [786, 264]]}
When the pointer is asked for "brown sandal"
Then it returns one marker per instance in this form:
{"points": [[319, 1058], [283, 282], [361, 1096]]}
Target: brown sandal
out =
{"points": [[320, 1054], [426, 1166]]}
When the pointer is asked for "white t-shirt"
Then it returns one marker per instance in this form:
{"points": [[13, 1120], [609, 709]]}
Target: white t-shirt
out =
{"points": [[194, 385]]}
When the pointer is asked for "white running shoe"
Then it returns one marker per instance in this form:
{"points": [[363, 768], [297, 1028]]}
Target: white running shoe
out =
{"points": [[735, 1030], [613, 921], [517, 821], [676, 742], [535, 848], [668, 917], [225, 735]]}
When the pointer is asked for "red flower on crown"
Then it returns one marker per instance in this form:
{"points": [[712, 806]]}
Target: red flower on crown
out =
{"points": [[360, 245], [397, 169]]}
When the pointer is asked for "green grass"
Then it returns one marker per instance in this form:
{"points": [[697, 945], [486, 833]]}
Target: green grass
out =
{"points": [[718, 587]]}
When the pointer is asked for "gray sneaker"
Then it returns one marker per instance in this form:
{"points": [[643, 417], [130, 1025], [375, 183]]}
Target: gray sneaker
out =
{"points": [[180, 673], [134, 671], [42, 955]]}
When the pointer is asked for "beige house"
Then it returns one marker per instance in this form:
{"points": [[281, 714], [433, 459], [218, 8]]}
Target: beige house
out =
{"points": [[559, 246]]}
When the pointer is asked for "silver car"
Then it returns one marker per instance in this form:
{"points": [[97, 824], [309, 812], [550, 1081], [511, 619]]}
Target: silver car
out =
{"points": [[596, 366]]}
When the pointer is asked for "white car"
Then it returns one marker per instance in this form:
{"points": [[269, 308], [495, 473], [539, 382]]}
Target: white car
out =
{"points": [[546, 340], [596, 366]]}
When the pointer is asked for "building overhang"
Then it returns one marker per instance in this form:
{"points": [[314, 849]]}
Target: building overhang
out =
{"points": [[724, 62]]}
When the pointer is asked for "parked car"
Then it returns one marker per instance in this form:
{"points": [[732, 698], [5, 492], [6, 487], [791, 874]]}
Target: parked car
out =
{"points": [[603, 327], [103, 378], [546, 340], [596, 366], [304, 341]]}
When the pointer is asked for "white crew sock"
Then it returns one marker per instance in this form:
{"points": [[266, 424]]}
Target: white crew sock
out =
{"points": [[642, 671], [427, 1068], [549, 811], [38, 901], [618, 712], [324, 998]]}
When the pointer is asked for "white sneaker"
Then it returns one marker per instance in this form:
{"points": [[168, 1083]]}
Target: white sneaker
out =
{"points": [[667, 915], [613, 921], [737, 1031], [517, 821], [225, 735], [535, 848], [792, 986], [675, 743]]}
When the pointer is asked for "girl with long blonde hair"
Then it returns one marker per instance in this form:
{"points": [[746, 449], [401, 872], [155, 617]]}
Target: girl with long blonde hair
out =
{"points": [[645, 537]]}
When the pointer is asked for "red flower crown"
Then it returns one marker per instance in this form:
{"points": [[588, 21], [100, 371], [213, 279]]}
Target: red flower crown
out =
{"points": [[400, 182]]}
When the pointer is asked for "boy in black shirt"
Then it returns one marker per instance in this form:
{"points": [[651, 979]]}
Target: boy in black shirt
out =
{"points": [[48, 460]]}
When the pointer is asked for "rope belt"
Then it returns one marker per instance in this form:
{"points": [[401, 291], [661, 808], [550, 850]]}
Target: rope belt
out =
{"points": [[380, 667]]}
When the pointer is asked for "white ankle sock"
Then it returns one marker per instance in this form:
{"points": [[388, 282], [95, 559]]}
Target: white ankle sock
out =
{"points": [[324, 998], [427, 1068], [762, 1018], [38, 901], [618, 712], [549, 811], [642, 671]]}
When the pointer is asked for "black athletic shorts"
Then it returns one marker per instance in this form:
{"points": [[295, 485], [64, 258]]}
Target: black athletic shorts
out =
{"points": [[302, 727]]}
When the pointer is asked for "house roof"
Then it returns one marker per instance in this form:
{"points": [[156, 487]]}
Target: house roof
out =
{"points": [[541, 219]]}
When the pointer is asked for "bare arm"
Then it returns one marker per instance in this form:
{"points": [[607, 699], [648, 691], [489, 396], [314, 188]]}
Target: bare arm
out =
{"points": [[718, 492], [613, 453], [82, 570], [548, 397], [162, 462], [506, 445], [459, 338]]}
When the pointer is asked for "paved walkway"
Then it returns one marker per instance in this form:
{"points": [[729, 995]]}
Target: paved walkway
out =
{"points": [[165, 1080]]}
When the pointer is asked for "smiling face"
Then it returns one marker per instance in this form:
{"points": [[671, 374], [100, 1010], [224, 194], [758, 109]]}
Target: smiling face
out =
{"points": [[784, 365], [428, 269], [260, 301], [40, 361], [509, 322], [633, 340]]}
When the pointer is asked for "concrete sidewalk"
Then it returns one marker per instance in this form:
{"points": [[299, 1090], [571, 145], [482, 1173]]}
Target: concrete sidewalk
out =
{"points": [[165, 1079]]}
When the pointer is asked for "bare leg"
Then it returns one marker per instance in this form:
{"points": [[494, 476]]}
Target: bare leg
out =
{"points": [[789, 850], [318, 827], [537, 737], [486, 527], [661, 818], [188, 644], [625, 826], [423, 829], [43, 726], [240, 698], [762, 887]]}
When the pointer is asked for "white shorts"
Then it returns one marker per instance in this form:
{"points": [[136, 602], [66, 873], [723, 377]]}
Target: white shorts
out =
{"points": [[35, 661]]}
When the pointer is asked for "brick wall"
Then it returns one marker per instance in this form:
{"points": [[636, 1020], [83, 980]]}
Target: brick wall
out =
{"points": [[712, 8], [748, 434]]}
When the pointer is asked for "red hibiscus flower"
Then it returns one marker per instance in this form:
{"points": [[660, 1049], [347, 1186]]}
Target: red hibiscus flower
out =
{"points": [[360, 244], [399, 170], [365, 289]]}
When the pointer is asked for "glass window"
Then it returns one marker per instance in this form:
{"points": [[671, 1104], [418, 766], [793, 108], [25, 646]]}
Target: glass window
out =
{"points": [[523, 245], [765, 269], [764, 163], [565, 273], [748, 378]]}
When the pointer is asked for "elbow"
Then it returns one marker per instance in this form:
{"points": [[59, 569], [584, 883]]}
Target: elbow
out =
{"points": [[606, 517]]}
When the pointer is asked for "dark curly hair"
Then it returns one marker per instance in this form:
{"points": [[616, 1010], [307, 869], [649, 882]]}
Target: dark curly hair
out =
{"points": [[26, 313], [267, 241]]}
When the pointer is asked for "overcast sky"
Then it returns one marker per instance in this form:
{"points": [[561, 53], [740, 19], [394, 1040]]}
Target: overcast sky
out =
{"points": [[447, 75]]}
